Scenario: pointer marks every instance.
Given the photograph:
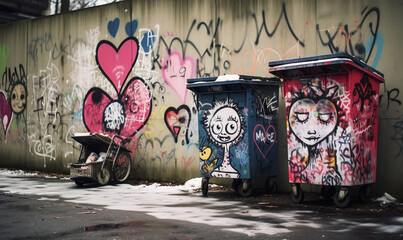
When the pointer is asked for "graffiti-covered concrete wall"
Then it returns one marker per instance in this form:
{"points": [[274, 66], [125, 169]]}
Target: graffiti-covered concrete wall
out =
{"points": [[122, 69]]}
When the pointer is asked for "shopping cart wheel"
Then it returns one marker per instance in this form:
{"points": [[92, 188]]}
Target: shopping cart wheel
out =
{"points": [[122, 166], [363, 193], [204, 186], [103, 176], [297, 195], [271, 185], [245, 189], [342, 198]]}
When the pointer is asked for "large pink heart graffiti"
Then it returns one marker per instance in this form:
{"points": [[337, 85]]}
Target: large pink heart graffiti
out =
{"points": [[116, 64], [260, 134], [123, 116], [176, 71], [5, 113]]}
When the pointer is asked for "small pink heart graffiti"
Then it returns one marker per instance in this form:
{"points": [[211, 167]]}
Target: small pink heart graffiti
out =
{"points": [[264, 138], [176, 71], [6, 113], [116, 64]]}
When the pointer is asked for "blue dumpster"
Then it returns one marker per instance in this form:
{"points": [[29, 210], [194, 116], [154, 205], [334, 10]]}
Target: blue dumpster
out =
{"points": [[237, 129]]}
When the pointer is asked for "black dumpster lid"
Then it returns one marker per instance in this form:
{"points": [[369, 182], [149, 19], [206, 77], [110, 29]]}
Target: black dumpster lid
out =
{"points": [[277, 67], [232, 79], [94, 139]]}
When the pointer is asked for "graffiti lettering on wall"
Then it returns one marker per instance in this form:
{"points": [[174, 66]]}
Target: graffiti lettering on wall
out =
{"points": [[127, 113], [46, 105], [326, 145], [225, 127], [13, 99], [177, 121], [48, 44], [352, 39], [392, 97]]}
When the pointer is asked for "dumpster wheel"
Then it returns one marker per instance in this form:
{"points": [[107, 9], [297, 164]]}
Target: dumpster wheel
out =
{"points": [[271, 185], [363, 193], [297, 195], [342, 198], [103, 176], [235, 184], [204, 186], [245, 189]]}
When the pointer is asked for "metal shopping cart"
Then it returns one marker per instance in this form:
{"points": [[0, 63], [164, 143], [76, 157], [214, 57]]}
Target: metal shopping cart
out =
{"points": [[102, 159]]}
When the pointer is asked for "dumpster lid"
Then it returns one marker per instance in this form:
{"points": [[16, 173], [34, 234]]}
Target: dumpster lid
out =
{"points": [[278, 68], [94, 139], [232, 79]]}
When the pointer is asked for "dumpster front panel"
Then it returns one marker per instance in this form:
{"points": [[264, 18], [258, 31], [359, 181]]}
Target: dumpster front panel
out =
{"points": [[222, 127], [332, 128], [263, 120], [238, 133]]}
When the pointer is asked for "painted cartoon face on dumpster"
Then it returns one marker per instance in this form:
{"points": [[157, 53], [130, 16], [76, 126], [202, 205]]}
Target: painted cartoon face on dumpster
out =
{"points": [[225, 127], [312, 121]]}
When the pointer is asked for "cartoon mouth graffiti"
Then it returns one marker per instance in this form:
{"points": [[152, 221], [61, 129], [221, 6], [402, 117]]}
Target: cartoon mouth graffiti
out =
{"points": [[312, 121]]}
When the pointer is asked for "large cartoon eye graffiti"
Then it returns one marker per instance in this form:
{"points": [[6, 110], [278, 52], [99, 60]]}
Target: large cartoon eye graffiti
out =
{"points": [[225, 127]]}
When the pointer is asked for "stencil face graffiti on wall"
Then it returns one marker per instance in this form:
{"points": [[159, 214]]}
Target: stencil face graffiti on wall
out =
{"points": [[128, 113], [225, 127]]}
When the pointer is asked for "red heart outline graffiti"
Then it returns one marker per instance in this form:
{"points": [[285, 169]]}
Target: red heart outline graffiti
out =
{"points": [[266, 132], [135, 103], [176, 119], [116, 63]]}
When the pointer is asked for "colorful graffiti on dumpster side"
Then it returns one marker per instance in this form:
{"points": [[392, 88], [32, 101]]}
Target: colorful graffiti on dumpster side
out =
{"points": [[225, 127], [330, 135], [129, 111]]}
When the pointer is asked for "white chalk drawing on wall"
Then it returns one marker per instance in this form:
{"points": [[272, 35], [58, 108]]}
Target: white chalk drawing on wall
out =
{"points": [[225, 127]]}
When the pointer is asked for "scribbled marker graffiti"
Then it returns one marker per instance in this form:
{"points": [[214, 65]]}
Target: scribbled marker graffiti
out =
{"points": [[129, 112]]}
